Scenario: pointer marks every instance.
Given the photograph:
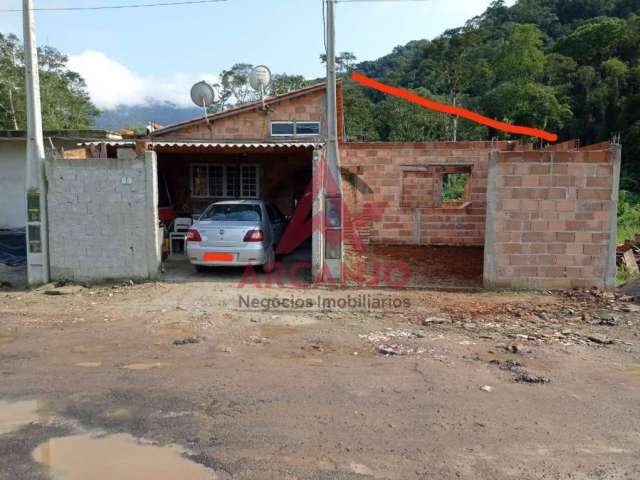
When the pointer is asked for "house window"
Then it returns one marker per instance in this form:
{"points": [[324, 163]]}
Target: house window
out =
{"points": [[216, 181], [282, 129], [249, 182], [295, 129], [224, 181], [199, 187], [307, 129], [233, 181]]}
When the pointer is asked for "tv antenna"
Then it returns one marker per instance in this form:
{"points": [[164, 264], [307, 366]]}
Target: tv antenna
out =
{"points": [[204, 96], [260, 79]]}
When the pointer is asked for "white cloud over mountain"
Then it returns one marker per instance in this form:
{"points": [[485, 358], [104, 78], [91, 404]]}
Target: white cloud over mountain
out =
{"points": [[111, 84]]}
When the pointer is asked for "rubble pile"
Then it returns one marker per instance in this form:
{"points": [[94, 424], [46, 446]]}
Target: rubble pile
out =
{"points": [[628, 255], [393, 342], [574, 317]]}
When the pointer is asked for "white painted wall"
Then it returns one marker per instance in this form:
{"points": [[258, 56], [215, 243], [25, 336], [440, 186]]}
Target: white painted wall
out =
{"points": [[12, 183]]}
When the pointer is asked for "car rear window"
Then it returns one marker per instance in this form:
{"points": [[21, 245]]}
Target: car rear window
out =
{"points": [[233, 213]]}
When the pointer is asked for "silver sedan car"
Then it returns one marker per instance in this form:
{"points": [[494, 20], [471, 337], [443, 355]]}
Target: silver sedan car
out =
{"points": [[236, 233]]}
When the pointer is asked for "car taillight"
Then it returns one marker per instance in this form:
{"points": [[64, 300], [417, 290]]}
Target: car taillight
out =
{"points": [[193, 235], [253, 236]]}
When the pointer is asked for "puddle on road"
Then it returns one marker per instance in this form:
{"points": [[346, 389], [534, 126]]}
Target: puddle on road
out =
{"points": [[118, 456], [15, 415], [145, 366]]}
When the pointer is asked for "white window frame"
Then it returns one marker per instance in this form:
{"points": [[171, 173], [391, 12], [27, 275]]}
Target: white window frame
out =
{"points": [[224, 179], [295, 128]]}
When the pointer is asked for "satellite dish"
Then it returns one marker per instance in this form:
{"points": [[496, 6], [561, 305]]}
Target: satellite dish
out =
{"points": [[202, 94], [260, 78]]}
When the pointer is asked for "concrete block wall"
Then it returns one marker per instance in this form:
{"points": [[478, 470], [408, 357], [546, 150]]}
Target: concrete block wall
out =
{"points": [[551, 219], [403, 181], [103, 218]]}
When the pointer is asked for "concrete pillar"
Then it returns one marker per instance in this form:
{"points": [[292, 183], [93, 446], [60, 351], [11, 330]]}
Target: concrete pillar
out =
{"points": [[611, 267], [489, 271], [317, 215], [154, 253]]}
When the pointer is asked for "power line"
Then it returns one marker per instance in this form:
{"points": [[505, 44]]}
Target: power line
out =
{"points": [[115, 7]]}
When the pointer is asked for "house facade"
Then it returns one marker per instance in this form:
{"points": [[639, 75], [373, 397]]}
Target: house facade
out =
{"points": [[13, 164], [543, 218]]}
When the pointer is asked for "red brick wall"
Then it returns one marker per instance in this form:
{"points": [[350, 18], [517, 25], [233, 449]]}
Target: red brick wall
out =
{"points": [[402, 178], [551, 220]]}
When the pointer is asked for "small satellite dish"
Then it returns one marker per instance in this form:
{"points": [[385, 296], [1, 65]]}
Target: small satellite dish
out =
{"points": [[202, 94], [260, 78]]}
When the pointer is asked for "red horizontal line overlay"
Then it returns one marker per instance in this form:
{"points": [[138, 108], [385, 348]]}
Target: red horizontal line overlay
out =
{"points": [[451, 110]]}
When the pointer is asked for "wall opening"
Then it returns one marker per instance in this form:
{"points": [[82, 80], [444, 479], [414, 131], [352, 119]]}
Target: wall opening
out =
{"points": [[195, 180], [454, 187]]}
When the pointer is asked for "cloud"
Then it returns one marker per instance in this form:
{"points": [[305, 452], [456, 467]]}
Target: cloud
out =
{"points": [[111, 84]]}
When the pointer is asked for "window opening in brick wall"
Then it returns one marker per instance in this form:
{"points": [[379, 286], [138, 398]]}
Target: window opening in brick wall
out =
{"points": [[454, 186]]}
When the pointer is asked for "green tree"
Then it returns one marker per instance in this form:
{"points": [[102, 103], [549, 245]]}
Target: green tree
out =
{"points": [[234, 85], [528, 103], [401, 121], [345, 62], [521, 58], [234, 88], [284, 83], [360, 120], [64, 98], [594, 41]]}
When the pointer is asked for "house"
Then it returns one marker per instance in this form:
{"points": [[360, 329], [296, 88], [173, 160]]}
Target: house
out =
{"points": [[13, 151], [538, 218]]}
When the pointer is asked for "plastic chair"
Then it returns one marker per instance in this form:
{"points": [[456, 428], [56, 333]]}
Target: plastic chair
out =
{"points": [[179, 232]]}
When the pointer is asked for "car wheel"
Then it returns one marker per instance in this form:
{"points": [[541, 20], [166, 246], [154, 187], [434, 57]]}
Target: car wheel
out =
{"points": [[200, 268], [270, 263]]}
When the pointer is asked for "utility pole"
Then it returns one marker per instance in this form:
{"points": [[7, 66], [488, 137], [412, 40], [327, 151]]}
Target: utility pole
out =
{"points": [[455, 119], [333, 208], [36, 191]]}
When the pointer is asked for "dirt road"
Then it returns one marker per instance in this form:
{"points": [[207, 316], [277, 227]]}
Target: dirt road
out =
{"points": [[204, 379]]}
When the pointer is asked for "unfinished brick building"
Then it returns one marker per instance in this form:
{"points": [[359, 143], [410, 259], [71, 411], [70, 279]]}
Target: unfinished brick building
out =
{"points": [[524, 218], [545, 218]]}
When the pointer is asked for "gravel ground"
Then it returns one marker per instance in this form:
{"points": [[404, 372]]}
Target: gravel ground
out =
{"points": [[419, 385]]}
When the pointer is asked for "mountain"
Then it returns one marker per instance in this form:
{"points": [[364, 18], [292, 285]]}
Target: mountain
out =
{"points": [[137, 116], [567, 66]]}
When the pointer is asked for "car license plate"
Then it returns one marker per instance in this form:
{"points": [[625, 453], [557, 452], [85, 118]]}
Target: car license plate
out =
{"points": [[218, 257]]}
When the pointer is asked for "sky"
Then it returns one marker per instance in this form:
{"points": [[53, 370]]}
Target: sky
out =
{"points": [[127, 56]]}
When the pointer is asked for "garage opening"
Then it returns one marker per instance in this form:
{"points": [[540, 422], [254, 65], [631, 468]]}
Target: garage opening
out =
{"points": [[217, 191]]}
